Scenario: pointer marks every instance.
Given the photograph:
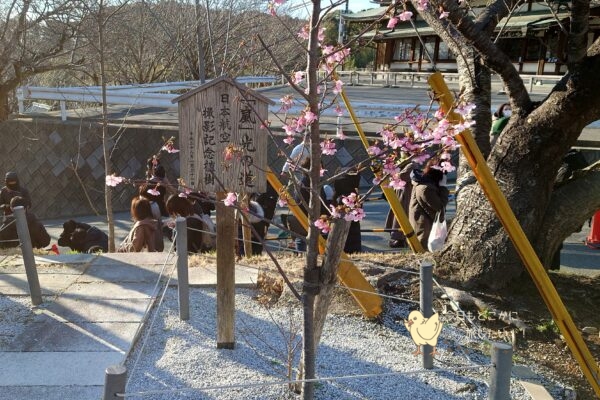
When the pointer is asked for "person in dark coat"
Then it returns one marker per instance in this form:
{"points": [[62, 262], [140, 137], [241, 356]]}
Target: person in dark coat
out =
{"points": [[268, 202], [344, 186], [82, 237], [397, 238], [200, 233], [573, 161], [37, 232], [428, 198], [12, 189]]}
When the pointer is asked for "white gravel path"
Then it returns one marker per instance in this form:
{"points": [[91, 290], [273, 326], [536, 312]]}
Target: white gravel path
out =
{"points": [[183, 355]]}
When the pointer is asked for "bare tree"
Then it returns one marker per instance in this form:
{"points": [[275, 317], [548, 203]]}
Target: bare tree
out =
{"points": [[35, 37]]}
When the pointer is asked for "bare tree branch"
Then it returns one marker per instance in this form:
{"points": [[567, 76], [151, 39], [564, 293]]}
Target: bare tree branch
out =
{"points": [[577, 44]]}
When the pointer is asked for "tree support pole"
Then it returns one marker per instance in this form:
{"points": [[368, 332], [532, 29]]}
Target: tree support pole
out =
{"points": [[514, 230], [390, 194], [350, 276]]}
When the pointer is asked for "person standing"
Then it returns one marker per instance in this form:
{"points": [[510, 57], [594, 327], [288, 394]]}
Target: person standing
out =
{"points": [[397, 238], [297, 157], [428, 198], [201, 234], [500, 119], [12, 189], [344, 186]]}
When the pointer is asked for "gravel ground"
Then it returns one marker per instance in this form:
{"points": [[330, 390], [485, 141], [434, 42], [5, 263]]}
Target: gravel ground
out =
{"points": [[178, 359]]}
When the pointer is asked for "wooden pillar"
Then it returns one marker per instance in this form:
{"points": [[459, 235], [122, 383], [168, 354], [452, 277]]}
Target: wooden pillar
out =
{"points": [[226, 235]]}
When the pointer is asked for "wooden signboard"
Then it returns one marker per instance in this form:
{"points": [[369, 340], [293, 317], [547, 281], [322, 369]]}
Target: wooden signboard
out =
{"points": [[223, 147]]}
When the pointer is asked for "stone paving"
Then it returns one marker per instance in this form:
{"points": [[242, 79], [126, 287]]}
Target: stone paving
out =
{"points": [[93, 307]]}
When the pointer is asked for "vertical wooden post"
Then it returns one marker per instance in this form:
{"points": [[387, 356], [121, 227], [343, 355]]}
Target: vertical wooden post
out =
{"points": [[115, 380], [501, 371], [183, 285], [28, 258], [426, 302], [226, 235]]}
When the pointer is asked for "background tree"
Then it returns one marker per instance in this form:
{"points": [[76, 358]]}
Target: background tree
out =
{"points": [[35, 37], [526, 158]]}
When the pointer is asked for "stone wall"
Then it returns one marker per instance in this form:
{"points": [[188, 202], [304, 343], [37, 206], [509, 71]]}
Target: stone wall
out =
{"points": [[59, 162]]}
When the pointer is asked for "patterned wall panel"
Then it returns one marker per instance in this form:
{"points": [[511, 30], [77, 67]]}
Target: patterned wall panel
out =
{"points": [[46, 153]]}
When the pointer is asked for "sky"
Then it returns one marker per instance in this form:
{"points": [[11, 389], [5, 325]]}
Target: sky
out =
{"points": [[359, 5], [353, 5]]}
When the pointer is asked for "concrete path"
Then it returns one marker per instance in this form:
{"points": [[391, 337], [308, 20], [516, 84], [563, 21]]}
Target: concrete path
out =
{"points": [[94, 306]]}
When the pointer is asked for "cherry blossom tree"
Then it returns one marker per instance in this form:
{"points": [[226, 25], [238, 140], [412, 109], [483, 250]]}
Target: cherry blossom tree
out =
{"points": [[529, 152]]}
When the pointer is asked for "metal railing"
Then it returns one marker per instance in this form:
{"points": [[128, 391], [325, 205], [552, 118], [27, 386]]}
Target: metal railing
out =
{"points": [[161, 94], [158, 94]]}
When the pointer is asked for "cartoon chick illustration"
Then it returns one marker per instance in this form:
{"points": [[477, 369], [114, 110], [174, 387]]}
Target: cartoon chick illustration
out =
{"points": [[423, 330]]}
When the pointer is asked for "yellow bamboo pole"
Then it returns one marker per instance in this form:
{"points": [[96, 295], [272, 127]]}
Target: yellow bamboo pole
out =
{"points": [[535, 268], [350, 276], [390, 194]]}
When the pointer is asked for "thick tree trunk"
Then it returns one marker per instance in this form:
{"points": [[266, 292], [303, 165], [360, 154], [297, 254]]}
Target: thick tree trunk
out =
{"points": [[524, 162], [328, 274], [4, 109]]}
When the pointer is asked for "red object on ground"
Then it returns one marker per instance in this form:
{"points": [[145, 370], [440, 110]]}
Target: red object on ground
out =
{"points": [[54, 249], [593, 239]]}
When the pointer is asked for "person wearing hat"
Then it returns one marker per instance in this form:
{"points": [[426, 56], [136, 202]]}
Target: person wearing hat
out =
{"points": [[12, 189], [37, 232]]}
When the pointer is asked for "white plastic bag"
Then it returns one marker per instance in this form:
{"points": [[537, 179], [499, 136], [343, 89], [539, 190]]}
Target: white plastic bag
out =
{"points": [[437, 236]]}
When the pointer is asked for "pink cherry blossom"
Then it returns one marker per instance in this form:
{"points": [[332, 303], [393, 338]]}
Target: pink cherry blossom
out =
{"points": [[153, 192], [338, 87], [304, 33], [287, 102], [298, 77], [321, 34], [392, 23], [422, 5], [396, 183], [444, 14], [230, 199], [289, 139], [322, 172], [355, 215], [282, 201], [113, 180], [169, 149], [310, 117], [339, 110], [289, 130], [350, 200], [405, 16], [335, 213], [183, 194], [328, 147], [465, 109], [322, 225], [374, 151]]}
